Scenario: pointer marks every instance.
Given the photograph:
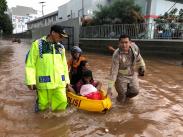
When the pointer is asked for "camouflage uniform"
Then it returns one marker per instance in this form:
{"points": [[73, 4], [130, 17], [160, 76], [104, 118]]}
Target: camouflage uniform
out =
{"points": [[123, 72]]}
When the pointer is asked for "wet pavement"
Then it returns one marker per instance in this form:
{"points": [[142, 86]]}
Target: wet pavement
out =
{"points": [[156, 112]]}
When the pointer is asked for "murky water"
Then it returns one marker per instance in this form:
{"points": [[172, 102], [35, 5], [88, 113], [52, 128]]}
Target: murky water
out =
{"points": [[156, 112]]}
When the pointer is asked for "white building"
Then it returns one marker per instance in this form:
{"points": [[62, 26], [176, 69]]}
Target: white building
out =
{"points": [[46, 20], [20, 16], [84, 8], [150, 8], [79, 8]]}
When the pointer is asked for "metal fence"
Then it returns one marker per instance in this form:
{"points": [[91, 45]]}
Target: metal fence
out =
{"points": [[136, 31]]}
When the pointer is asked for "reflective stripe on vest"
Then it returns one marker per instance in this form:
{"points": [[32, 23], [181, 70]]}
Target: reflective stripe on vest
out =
{"points": [[40, 48]]}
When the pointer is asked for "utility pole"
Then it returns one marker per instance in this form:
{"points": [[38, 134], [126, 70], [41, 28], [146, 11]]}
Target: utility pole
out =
{"points": [[42, 3], [82, 4]]}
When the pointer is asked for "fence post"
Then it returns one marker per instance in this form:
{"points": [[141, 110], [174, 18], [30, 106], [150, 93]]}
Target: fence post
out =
{"points": [[1, 33], [150, 31]]}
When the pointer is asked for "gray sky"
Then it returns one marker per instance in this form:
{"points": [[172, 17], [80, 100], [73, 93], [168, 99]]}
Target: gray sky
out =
{"points": [[164, 6], [50, 5]]}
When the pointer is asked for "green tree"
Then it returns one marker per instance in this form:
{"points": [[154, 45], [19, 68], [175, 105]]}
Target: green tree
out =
{"points": [[119, 12], [6, 24], [171, 22], [5, 21], [174, 16], [3, 7]]}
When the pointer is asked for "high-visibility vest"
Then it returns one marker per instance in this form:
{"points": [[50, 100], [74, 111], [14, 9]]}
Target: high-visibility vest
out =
{"points": [[46, 65]]}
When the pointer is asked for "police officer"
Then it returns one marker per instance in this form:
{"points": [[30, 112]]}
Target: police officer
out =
{"points": [[47, 71], [126, 62]]}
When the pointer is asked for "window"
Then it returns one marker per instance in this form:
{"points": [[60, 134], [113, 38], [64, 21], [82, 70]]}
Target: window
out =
{"points": [[54, 18], [109, 1]]}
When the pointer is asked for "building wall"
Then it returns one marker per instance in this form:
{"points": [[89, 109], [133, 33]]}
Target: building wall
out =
{"points": [[73, 8], [62, 12], [165, 49], [71, 27], [74, 23], [19, 22], [20, 16], [43, 21]]}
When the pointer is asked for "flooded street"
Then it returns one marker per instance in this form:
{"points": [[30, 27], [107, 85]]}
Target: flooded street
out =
{"points": [[156, 112]]}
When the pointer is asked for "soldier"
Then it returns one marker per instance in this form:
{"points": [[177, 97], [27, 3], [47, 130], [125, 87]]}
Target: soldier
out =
{"points": [[126, 58]]}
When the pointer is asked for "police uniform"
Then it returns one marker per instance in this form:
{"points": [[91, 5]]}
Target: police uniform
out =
{"points": [[46, 67]]}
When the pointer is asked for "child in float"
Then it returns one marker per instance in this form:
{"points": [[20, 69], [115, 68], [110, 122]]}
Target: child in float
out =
{"points": [[81, 68], [88, 87]]}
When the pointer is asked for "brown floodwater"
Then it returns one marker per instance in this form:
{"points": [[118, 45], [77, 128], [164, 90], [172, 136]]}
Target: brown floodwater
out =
{"points": [[156, 112]]}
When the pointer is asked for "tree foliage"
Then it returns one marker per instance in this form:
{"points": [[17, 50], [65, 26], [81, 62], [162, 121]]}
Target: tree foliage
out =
{"points": [[5, 21], [118, 12], [174, 16], [171, 23], [3, 6], [6, 24]]}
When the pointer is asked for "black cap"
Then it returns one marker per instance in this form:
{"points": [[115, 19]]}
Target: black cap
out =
{"points": [[87, 73], [59, 29]]}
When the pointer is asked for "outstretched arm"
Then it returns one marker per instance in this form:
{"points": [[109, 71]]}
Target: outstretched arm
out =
{"points": [[111, 48], [99, 85]]}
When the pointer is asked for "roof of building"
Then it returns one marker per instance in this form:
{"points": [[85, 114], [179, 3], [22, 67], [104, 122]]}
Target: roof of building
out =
{"points": [[42, 17], [23, 11]]}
